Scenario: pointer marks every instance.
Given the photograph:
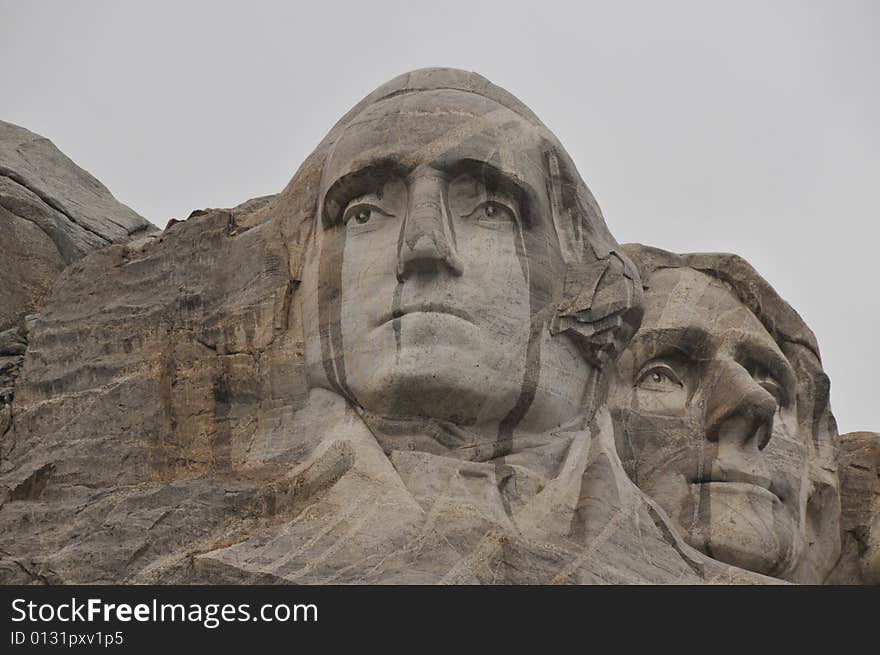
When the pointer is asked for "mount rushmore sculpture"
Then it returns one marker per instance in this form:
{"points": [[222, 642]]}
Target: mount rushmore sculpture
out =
{"points": [[426, 360]]}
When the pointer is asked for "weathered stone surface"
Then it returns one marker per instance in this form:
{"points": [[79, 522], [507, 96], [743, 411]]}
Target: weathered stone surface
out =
{"points": [[13, 342], [133, 397], [29, 265], [52, 212], [860, 504], [396, 371]]}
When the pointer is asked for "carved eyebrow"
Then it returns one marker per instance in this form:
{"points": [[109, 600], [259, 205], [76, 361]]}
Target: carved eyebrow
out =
{"points": [[373, 174], [497, 180], [366, 179], [690, 342]]}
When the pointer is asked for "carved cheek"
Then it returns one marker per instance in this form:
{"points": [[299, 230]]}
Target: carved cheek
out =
{"points": [[667, 403], [368, 276], [786, 455]]}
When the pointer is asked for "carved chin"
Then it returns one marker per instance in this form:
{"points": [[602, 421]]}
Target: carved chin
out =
{"points": [[439, 367], [747, 527], [441, 388]]}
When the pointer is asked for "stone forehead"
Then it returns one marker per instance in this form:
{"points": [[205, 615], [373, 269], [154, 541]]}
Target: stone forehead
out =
{"points": [[444, 79], [421, 127], [443, 102], [684, 297]]}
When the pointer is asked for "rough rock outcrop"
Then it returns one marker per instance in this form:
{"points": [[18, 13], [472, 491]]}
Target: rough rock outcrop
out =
{"points": [[143, 379], [52, 212], [860, 504]]}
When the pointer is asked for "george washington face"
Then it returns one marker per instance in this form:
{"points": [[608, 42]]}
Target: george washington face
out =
{"points": [[707, 423], [438, 267]]}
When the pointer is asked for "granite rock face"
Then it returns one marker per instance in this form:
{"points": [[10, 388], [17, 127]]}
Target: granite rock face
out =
{"points": [[410, 366], [131, 400], [52, 212], [860, 503]]}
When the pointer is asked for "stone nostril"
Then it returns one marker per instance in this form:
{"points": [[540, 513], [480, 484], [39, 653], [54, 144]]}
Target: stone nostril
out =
{"points": [[744, 430], [425, 256], [763, 413], [762, 435]]}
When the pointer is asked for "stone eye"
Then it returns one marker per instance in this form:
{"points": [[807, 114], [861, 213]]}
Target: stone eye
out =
{"points": [[493, 212], [362, 212], [496, 210], [659, 377]]}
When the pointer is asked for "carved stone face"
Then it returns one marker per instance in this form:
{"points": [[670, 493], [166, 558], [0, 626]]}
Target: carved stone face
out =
{"points": [[706, 423], [437, 267]]}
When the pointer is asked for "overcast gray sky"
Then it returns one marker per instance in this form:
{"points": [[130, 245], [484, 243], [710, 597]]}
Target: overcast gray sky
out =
{"points": [[747, 127]]}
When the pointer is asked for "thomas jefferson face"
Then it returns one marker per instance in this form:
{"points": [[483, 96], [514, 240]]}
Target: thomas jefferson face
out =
{"points": [[706, 423], [437, 266]]}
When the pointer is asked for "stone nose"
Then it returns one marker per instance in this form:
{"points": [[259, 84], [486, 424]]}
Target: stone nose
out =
{"points": [[739, 411], [427, 243]]}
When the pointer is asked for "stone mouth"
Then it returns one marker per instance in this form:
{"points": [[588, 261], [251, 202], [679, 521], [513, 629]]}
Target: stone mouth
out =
{"points": [[427, 308], [739, 480]]}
